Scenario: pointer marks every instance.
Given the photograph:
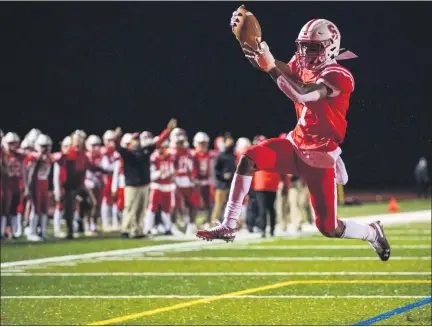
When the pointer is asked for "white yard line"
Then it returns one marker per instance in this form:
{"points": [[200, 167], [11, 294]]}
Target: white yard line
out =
{"points": [[336, 258], [318, 247], [387, 219], [250, 273], [41, 297]]}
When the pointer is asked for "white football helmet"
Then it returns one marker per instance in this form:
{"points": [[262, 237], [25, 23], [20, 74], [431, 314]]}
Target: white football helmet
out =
{"points": [[146, 138], [178, 134], [109, 135], [125, 140], [242, 144], [81, 133], [32, 136], [66, 143], [92, 140], [43, 141], [318, 44], [11, 141], [200, 137], [25, 145]]}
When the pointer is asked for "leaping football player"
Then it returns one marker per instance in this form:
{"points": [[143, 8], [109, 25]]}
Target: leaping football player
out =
{"points": [[320, 89]]}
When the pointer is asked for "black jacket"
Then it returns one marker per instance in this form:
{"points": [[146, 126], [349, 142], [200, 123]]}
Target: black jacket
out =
{"points": [[225, 163], [136, 164]]}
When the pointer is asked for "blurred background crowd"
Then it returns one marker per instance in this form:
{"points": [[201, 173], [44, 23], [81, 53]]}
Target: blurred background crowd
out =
{"points": [[138, 184]]}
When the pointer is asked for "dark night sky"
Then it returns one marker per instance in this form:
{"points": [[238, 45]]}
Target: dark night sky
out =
{"points": [[94, 66]]}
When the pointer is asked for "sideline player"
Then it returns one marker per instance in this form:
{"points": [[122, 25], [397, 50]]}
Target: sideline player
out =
{"points": [[320, 89]]}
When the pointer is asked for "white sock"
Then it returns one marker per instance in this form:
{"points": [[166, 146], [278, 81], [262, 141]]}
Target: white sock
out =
{"points": [[19, 225], [86, 227], [105, 215], [57, 217], [76, 219], [115, 221], [360, 231], [92, 226], [239, 189], [149, 221], [3, 225], [14, 222], [34, 221], [166, 219], [44, 222]]}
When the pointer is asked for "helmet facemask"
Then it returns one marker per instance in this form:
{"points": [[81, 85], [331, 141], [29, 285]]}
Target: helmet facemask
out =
{"points": [[311, 54]]}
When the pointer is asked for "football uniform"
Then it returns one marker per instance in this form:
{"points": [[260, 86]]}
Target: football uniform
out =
{"points": [[312, 150], [39, 184], [185, 174], [162, 185], [109, 159], [118, 184]]}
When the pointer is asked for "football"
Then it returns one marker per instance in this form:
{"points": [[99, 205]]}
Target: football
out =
{"points": [[246, 27]]}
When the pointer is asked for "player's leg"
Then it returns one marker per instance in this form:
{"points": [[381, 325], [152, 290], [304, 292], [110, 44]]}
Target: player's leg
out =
{"points": [[205, 194], [106, 210], [274, 155], [261, 212], [166, 202], [270, 201], [192, 202], [323, 194], [154, 201]]}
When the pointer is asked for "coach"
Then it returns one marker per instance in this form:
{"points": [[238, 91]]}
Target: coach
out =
{"points": [[136, 164]]}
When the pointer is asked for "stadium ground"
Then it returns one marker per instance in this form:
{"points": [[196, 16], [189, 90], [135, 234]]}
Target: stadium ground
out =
{"points": [[306, 280]]}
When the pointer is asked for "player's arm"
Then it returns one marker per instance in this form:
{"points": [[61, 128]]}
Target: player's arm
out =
{"points": [[282, 75]]}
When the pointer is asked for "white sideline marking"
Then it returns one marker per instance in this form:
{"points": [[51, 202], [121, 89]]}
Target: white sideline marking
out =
{"points": [[318, 247], [252, 273], [387, 219], [40, 297], [408, 232], [392, 238], [275, 258]]}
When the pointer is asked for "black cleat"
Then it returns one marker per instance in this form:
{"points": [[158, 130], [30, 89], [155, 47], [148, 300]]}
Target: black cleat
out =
{"points": [[380, 245]]}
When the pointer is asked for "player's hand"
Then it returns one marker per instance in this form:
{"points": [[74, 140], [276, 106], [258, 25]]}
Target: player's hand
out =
{"points": [[235, 17], [172, 124], [114, 195], [118, 132], [262, 56], [227, 176]]}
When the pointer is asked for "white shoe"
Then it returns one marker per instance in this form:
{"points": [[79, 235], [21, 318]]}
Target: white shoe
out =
{"points": [[206, 226], [153, 231], [175, 231], [161, 229], [90, 233], [191, 229], [60, 235], [27, 231], [34, 238]]}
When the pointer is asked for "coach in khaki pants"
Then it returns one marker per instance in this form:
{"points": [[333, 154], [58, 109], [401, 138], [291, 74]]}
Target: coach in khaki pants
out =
{"points": [[136, 165]]}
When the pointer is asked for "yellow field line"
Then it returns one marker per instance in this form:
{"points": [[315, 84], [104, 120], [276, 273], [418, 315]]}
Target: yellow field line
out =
{"points": [[248, 291]]}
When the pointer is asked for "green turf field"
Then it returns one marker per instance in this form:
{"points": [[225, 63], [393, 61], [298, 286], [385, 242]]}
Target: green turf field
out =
{"points": [[306, 280]]}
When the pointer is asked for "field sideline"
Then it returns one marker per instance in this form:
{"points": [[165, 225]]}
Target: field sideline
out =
{"points": [[303, 280]]}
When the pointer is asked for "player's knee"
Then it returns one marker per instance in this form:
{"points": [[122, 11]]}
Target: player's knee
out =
{"points": [[325, 229]]}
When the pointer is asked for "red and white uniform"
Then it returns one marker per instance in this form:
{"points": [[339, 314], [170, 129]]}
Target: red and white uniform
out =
{"points": [[322, 124], [312, 150], [40, 184], [109, 158], [118, 183], [162, 185], [203, 162], [12, 182], [94, 179], [59, 177], [185, 175]]}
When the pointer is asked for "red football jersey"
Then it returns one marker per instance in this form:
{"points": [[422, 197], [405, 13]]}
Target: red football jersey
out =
{"points": [[203, 162], [162, 166], [322, 124], [185, 168], [109, 158], [45, 165], [94, 179], [14, 164]]}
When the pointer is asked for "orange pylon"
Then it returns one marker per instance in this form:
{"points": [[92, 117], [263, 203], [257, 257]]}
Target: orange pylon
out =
{"points": [[393, 206]]}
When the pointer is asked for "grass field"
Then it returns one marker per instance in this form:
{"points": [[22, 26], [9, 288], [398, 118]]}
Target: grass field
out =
{"points": [[306, 280]]}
